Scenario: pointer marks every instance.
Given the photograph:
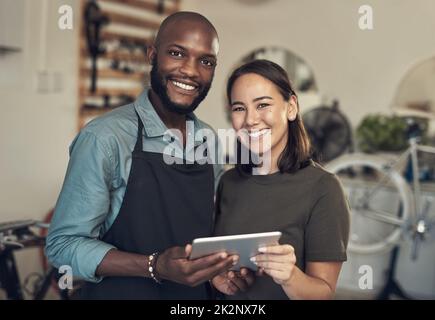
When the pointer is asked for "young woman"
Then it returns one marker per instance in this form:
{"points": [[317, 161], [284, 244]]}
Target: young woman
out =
{"points": [[289, 192]]}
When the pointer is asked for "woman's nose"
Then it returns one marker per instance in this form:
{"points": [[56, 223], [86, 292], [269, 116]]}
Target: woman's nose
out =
{"points": [[252, 118]]}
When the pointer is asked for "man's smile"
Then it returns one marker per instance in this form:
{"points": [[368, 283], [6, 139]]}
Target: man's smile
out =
{"points": [[184, 87]]}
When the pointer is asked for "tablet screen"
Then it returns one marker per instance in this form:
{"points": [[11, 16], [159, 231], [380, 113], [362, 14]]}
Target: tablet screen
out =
{"points": [[245, 245]]}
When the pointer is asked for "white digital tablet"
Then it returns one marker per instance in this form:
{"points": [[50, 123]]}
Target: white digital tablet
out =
{"points": [[244, 245]]}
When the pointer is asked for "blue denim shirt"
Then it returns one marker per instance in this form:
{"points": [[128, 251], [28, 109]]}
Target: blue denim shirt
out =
{"points": [[96, 180]]}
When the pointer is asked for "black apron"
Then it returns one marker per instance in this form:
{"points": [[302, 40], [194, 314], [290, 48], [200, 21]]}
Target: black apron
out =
{"points": [[163, 206]]}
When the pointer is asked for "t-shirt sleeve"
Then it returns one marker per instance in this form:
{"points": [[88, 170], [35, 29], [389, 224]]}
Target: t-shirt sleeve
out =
{"points": [[327, 229]]}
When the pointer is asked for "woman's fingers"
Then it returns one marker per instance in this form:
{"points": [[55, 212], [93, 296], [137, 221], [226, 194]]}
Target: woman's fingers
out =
{"points": [[277, 249], [277, 261], [288, 259], [280, 266]]}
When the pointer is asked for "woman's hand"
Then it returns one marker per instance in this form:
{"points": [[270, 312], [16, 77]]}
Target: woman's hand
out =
{"points": [[231, 282], [278, 261]]}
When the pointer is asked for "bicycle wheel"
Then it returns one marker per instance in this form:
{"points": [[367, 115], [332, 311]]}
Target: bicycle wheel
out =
{"points": [[379, 198]]}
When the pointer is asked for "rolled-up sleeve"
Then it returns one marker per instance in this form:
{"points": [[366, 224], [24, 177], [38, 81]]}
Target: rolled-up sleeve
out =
{"points": [[82, 208]]}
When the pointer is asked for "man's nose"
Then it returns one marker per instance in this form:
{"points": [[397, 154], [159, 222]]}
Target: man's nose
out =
{"points": [[189, 68]]}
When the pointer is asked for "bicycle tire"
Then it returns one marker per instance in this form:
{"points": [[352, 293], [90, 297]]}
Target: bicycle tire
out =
{"points": [[398, 187]]}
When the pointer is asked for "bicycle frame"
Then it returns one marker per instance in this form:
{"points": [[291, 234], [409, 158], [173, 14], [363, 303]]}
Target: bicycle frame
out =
{"points": [[17, 236], [412, 151], [9, 278]]}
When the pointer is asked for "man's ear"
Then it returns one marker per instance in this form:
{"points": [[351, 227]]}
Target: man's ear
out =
{"points": [[151, 54], [292, 111]]}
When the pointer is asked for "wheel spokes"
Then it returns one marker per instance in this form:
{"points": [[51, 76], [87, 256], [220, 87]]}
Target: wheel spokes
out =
{"points": [[381, 216]]}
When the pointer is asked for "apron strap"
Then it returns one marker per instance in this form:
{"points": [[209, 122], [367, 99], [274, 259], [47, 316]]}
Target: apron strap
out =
{"points": [[138, 146]]}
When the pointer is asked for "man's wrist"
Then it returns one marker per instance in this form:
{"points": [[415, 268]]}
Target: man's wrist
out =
{"points": [[152, 267]]}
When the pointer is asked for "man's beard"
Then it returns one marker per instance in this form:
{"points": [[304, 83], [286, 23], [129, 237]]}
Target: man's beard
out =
{"points": [[158, 84]]}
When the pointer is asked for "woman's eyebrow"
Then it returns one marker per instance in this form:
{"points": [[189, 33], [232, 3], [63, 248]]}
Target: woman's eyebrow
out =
{"points": [[237, 102], [254, 100], [261, 98]]}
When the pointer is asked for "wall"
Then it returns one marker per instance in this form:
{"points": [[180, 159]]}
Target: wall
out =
{"points": [[418, 87], [37, 128], [362, 69]]}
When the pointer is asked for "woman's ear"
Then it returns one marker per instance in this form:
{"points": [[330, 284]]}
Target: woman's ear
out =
{"points": [[292, 111]]}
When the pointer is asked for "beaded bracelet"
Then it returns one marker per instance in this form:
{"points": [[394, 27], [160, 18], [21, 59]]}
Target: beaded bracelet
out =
{"points": [[152, 262]]}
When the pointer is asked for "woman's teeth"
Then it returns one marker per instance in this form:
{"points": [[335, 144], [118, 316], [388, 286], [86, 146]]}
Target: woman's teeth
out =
{"points": [[256, 134], [183, 85]]}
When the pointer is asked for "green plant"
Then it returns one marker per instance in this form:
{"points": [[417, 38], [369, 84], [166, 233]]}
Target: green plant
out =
{"points": [[384, 133]]}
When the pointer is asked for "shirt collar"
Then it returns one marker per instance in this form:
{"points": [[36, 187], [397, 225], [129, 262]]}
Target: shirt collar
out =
{"points": [[153, 125]]}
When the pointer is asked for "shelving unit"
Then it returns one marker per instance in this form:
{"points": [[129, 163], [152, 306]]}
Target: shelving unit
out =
{"points": [[130, 21]]}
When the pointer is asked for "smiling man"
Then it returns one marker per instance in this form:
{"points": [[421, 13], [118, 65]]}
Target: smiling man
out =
{"points": [[124, 218]]}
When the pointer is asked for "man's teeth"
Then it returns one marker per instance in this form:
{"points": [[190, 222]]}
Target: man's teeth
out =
{"points": [[256, 134], [183, 85]]}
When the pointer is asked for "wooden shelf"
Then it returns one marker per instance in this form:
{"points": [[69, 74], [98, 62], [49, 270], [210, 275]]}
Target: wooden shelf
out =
{"points": [[84, 92], [131, 21], [109, 73], [144, 5], [116, 55], [88, 112], [94, 112], [109, 35]]}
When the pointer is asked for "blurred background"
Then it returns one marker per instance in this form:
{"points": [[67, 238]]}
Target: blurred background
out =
{"points": [[364, 72]]}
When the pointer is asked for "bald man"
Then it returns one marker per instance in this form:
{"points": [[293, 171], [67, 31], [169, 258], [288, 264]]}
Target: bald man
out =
{"points": [[125, 218]]}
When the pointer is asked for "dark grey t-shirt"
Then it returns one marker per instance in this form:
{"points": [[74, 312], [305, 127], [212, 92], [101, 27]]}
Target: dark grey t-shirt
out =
{"points": [[308, 207]]}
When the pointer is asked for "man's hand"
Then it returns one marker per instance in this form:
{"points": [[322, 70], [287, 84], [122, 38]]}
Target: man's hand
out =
{"points": [[231, 282], [173, 264]]}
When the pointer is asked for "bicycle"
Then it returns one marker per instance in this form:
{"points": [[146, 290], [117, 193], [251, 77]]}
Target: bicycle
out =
{"points": [[384, 207], [17, 235]]}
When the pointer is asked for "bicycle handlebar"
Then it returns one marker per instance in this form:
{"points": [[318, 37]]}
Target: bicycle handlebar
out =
{"points": [[21, 224], [17, 234]]}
